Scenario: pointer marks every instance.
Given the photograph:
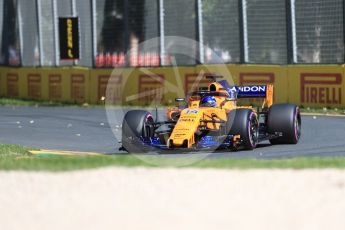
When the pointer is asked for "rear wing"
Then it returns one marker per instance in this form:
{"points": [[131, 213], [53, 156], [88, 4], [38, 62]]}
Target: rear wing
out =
{"points": [[250, 91]]}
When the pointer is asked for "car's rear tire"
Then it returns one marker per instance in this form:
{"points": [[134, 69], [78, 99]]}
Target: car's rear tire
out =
{"points": [[286, 120], [136, 124], [244, 122]]}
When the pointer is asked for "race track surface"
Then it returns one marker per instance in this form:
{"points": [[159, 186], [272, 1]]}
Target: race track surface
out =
{"points": [[88, 129]]}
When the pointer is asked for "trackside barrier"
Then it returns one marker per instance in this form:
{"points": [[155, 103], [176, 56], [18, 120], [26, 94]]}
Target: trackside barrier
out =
{"points": [[317, 86], [55, 84], [138, 86], [310, 86]]}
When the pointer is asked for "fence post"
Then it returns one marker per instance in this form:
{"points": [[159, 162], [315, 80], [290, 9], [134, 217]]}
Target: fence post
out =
{"points": [[291, 31], [20, 25], [344, 31], [56, 33], [243, 31], [74, 14], [200, 32], [94, 31], [161, 32], [1, 22], [74, 8], [40, 35]]}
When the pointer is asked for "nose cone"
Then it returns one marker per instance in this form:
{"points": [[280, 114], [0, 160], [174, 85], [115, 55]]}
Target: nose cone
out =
{"points": [[183, 133]]}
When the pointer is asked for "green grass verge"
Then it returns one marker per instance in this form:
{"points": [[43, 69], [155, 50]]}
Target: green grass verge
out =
{"points": [[325, 111], [14, 157], [26, 102], [41, 103]]}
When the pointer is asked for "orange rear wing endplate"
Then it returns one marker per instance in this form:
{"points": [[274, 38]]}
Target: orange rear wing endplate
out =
{"points": [[268, 102]]}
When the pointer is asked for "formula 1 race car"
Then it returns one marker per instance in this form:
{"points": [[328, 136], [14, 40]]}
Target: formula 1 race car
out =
{"points": [[211, 119]]}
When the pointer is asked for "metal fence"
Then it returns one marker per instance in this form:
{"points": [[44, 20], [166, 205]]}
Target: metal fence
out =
{"points": [[112, 31], [319, 31], [46, 12], [10, 42], [266, 31], [221, 30]]}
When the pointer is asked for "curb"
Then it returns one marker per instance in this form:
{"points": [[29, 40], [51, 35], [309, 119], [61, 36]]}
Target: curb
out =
{"points": [[46, 152]]}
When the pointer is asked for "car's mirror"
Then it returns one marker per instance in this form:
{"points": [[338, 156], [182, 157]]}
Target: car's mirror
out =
{"points": [[213, 77], [203, 88], [180, 99]]}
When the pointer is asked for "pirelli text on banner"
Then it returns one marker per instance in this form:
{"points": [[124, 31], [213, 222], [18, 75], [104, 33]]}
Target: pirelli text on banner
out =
{"points": [[69, 38], [321, 88]]}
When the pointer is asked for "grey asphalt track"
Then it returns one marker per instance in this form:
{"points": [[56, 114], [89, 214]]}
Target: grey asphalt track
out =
{"points": [[87, 129]]}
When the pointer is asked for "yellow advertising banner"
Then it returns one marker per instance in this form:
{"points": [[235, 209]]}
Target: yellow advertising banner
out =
{"points": [[55, 84], [316, 86], [3, 72], [79, 84], [15, 85], [157, 86], [108, 85], [139, 86], [307, 85]]}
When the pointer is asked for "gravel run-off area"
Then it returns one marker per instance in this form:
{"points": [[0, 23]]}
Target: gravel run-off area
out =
{"points": [[168, 198]]}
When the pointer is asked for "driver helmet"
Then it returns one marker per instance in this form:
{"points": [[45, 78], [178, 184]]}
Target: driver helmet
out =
{"points": [[208, 101]]}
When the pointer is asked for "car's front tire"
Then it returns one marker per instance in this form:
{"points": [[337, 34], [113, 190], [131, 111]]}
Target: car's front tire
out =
{"points": [[244, 122], [136, 124]]}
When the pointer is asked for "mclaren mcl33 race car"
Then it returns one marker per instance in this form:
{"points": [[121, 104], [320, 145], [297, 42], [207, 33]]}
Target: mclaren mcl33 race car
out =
{"points": [[210, 119]]}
